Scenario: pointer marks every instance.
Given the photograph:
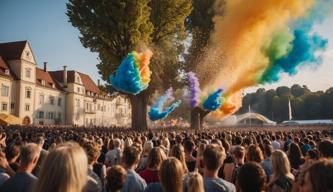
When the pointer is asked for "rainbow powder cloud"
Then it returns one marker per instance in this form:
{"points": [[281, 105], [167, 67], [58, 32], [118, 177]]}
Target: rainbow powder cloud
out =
{"points": [[133, 74], [214, 100], [298, 47], [157, 112]]}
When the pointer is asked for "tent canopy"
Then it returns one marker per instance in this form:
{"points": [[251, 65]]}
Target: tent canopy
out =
{"points": [[7, 119]]}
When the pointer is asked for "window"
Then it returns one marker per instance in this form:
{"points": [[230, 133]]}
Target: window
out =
{"points": [[41, 99], [4, 91], [43, 82], [12, 105], [41, 114], [59, 101], [50, 115], [78, 89], [77, 79], [77, 102], [27, 107], [99, 107], [7, 71], [27, 72], [59, 115], [28, 93], [4, 107], [51, 99]]}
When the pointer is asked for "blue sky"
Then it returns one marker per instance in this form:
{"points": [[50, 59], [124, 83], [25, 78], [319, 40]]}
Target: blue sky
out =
{"points": [[53, 39]]}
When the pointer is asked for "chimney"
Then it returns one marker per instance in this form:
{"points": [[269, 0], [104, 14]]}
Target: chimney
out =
{"points": [[45, 66], [65, 76], [98, 82]]}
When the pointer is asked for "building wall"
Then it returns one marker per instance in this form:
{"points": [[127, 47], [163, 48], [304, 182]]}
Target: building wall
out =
{"points": [[26, 103], [46, 111], [5, 100], [76, 107]]}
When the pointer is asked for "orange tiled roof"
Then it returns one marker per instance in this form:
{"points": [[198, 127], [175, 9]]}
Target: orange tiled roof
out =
{"points": [[87, 82], [46, 77]]}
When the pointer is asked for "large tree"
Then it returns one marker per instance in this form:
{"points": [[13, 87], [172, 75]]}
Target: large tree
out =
{"points": [[113, 28], [200, 25]]}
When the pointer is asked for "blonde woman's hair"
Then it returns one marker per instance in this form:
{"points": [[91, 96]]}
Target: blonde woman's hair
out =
{"points": [[178, 152], [171, 175], [280, 166], [64, 169], [195, 182]]}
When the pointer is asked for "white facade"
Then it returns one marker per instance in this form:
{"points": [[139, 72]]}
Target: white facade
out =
{"points": [[39, 96]]}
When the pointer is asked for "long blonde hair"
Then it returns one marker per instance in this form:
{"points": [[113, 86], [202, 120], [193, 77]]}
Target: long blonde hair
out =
{"points": [[280, 166], [171, 175], [64, 169], [179, 152], [195, 182]]}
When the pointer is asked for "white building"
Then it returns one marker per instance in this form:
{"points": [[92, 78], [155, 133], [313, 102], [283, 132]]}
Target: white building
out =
{"points": [[39, 96]]}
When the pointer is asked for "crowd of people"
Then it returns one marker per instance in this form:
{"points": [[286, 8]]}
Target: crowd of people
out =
{"points": [[73, 159]]}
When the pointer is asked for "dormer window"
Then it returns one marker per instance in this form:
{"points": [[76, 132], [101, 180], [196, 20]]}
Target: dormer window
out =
{"points": [[77, 79], [43, 82], [53, 86], [7, 71]]}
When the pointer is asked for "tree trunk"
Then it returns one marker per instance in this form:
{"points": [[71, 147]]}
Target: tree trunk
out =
{"points": [[139, 111], [197, 117]]}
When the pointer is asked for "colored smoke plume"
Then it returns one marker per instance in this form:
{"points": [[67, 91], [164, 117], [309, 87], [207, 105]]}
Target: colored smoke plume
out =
{"points": [[253, 43], [194, 89], [133, 74], [157, 112], [213, 101]]}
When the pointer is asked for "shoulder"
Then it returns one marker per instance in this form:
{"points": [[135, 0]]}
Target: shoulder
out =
{"points": [[218, 185], [154, 187], [132, 176]]}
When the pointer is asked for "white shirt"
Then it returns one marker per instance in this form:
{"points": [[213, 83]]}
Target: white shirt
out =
{"points": [[276, 145]]}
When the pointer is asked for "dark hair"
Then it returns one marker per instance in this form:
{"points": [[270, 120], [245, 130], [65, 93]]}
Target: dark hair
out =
{"points": [[188, 145], [251, 177], [115, 178], [213, 156], [295, 156], [325, 147], [268, 149], [247, 141], [313, 154], [131, 155], [238, 151], [225, 145], [12, 151], [238, 140], [321, 175]]}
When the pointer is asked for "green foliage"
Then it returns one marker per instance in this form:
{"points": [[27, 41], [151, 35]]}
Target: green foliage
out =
{"points": [[114, 28], [200, 25], [111, 28], [304, 103]]}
